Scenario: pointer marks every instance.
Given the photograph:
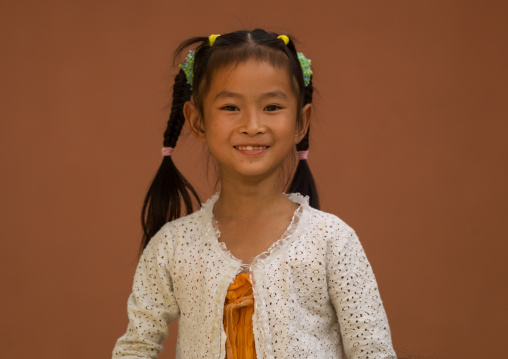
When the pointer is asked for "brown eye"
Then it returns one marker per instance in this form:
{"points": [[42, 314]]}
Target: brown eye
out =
{"points": [[230, 108], [272, 108]]}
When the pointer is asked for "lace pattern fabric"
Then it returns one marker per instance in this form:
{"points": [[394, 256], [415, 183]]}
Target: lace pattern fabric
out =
{"points": [[315, 294]]}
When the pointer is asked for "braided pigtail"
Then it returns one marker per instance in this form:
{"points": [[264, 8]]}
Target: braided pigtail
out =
{"points": [[303, 181], [169, 188]]}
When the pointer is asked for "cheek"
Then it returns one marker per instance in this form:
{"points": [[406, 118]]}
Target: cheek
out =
{"points": [[217, 136], [215, 129], [286, 129]]}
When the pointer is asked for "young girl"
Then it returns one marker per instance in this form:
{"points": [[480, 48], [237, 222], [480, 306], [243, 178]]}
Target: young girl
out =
{"points": [[256, 272]]}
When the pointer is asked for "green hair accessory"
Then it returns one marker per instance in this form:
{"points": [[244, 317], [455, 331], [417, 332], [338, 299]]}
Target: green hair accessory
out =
{"points": [[307, 71], [188, 67]]}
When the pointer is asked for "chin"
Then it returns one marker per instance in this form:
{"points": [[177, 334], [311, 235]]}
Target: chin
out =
{"points": [[256, 173]]}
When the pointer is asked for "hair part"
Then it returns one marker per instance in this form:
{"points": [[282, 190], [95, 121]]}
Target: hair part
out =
{"points": [[239, 47]]}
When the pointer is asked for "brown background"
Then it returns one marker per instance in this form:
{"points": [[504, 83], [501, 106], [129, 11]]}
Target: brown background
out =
{"points": [[408, 147]]}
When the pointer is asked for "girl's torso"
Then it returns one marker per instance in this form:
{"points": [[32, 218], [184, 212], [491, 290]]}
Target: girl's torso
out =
{"points": [[316, 270], [292, 308]]}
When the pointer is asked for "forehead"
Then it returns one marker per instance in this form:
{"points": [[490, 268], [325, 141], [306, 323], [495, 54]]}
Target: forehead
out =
{"points": [[250, 77]]}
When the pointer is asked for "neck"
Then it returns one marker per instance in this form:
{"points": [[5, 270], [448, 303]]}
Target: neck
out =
{"points": [[249, 199]]}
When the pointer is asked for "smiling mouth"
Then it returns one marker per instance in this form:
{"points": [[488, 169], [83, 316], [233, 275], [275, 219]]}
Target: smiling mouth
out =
{"points": [[251, 148]]}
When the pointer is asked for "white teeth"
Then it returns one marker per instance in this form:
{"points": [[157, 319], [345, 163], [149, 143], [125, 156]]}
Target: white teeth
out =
{"points": [[250, 148]]}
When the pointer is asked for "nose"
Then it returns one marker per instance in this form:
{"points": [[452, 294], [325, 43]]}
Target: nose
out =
{"points": [[252, 123]]}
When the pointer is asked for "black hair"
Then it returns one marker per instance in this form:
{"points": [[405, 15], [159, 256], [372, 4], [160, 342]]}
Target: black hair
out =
{"points": [[169, 188]]}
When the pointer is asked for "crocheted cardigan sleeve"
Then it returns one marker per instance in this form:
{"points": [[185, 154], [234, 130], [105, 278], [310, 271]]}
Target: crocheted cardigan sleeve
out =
{"points": [[355, 295], [151, 305]]}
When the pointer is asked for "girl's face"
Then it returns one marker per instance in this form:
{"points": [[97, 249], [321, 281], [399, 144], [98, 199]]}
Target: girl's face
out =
{"points": [[250, 119]]}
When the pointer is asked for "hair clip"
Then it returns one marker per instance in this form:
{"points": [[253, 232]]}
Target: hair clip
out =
{"points": [[188, 67], [284, 38], [307, 71], [304, 62], [212, 38]]}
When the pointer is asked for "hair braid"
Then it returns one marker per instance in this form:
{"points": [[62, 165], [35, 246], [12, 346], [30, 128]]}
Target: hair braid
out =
{"points": [[181, 93], [169, 188], [303, 181]]}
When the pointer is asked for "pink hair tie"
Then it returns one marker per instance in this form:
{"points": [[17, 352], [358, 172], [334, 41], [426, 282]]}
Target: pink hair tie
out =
{"points": [[302, 155], [167, 151]]}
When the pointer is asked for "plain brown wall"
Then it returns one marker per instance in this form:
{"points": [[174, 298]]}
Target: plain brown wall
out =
{"points": [[408, 147]]}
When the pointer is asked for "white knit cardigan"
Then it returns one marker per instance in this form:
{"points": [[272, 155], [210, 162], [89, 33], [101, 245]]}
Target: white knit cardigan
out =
{"points": [[315, 293]]}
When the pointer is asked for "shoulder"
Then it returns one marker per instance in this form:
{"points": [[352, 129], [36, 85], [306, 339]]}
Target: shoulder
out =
{"points": [[189, 223], [325, 222], [328, 221], [331, 228], [188, 231], [181, 227], [164, 244]]}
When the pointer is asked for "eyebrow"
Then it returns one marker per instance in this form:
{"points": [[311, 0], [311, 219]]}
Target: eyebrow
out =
{"points": [[273, 94]]}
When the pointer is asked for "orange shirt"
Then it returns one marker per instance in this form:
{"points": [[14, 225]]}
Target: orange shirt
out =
{"points": [[238, 310]]}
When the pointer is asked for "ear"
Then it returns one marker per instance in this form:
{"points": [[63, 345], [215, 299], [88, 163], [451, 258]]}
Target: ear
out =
{"points": [[304, 123], [193, 118]]}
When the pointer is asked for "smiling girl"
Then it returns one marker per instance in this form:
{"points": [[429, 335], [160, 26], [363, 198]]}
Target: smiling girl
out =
{"points": [[256, 272]]}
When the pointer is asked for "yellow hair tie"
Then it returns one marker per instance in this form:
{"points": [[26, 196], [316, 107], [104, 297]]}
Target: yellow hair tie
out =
{"points": [[284, 38], [212, 38]]}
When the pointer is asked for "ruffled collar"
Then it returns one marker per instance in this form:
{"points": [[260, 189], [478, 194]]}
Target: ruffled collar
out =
{"points": [[295, 197], [296, 226]]}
